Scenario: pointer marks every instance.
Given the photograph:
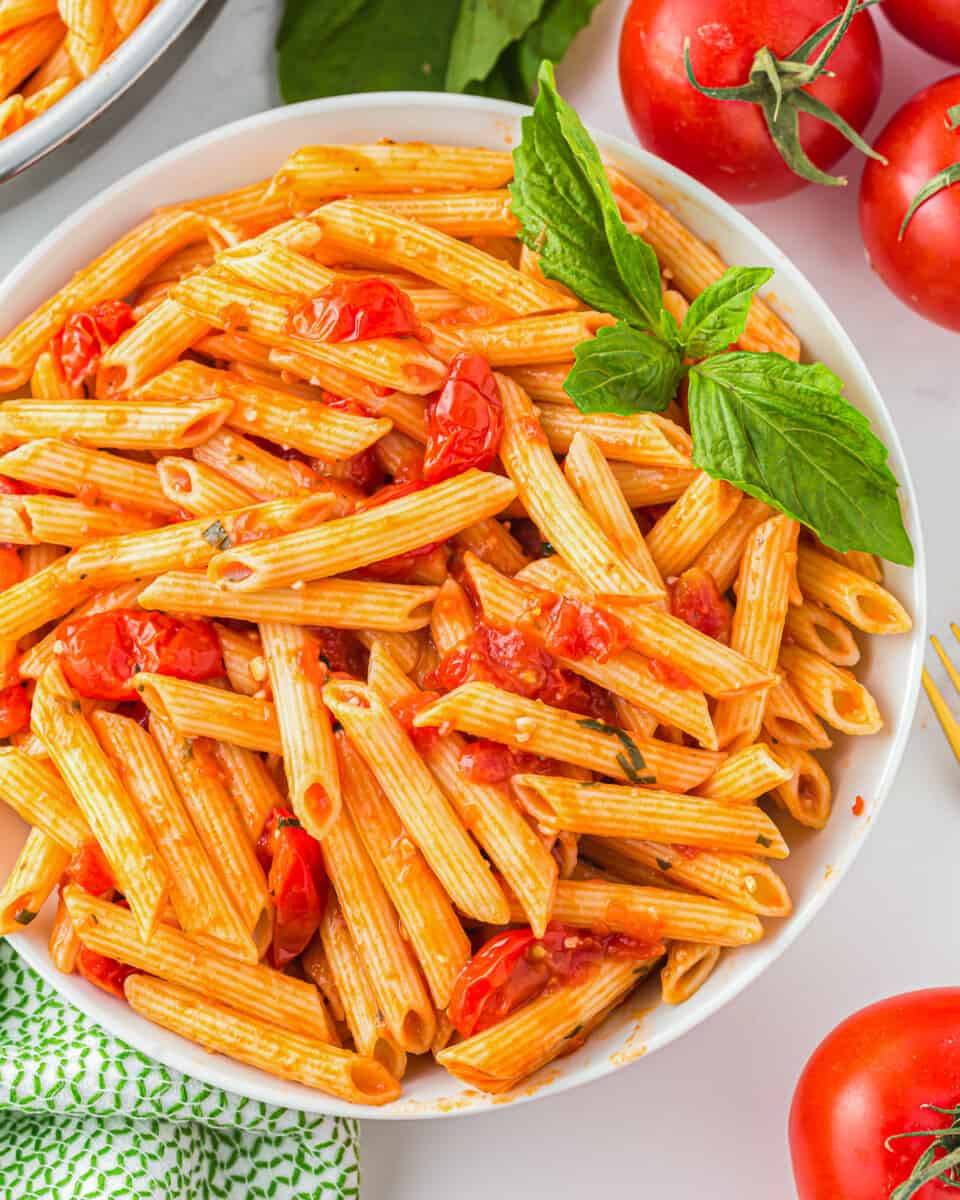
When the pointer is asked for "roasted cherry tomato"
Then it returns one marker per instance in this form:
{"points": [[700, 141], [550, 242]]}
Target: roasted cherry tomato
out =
{"points": [[89, 869], [572, 629], [297, 882], [14, 709], [484, 761], [932, 24], [84, 336], [101, 654], [695, 598], [104, 972], [920, 263], [464, 422], [355, 310], [422, 736], [513, 967], [891, 1069], [726, 145]]}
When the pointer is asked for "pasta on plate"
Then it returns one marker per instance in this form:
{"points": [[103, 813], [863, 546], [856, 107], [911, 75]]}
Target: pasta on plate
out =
{"points": [[365, 698]]}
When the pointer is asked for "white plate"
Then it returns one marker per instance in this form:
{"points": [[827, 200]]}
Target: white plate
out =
{"points": [[89, 99], [252, 149]]}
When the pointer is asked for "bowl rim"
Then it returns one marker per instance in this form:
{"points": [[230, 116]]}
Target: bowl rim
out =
{"points": [[92, 96], [206, 1069]]}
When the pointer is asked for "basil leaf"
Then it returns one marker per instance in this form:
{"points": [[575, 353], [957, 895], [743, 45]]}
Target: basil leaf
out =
{"points": [[567, 213], [718, 316], [326, 47], [623, 370], [217, 536], [782, 432], [484, 30], [549, 37]]}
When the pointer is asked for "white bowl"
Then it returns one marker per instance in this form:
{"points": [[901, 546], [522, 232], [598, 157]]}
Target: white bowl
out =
{"points": [[252, 149], [90, 98]]}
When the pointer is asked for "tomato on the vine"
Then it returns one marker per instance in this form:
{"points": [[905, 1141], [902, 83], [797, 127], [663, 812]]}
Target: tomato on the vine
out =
{"points": [[920, 263], [890, 1070], [729, 146], [933, 25]]}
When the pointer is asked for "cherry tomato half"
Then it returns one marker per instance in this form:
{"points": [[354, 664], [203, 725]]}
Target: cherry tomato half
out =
{"points": [[931, 24], [89, 869], [297, 882], [103, 972], [695, 598], [354, 310], [81, 342], [102, 653], [869, 1081], [923, 267], [14, 709], [727, 145], [464, 422]]}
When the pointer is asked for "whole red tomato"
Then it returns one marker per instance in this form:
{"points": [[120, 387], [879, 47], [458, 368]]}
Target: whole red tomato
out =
{"points": [[875, 1077], [727, 145], [932, 24], [922, 267]]}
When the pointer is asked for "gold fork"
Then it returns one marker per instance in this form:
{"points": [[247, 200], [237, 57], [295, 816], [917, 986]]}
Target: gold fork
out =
{"points": [[951, 726]]}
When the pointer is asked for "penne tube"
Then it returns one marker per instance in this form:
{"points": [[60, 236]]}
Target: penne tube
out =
{"points": [[461, 214], [102, 423], [306, 733], [193, 769], [15, 526], [318, 172], [185, 545], [861, 601], [492, 543], [745, 776], [74, 470], [38, 599], [552, 503], [198, 489], [222, 1030], [63, 945], [315, 967], [763, 594], [405, 648], [610, 810], [34, 790], [821, 632], [722, 554], [300, 363], [645, 439], [64, 521], [23, 49], [486, 711], [201, 903], [425, 910], [200, 710], [451, 619], [372, 922], [496, 1059], [677, 539], [688, 967], [832, 692], [90, 30], [486, 809], [250, 208], [807, 795], [740, 880], [789, 720], [399, 363], [367, 1028], [310, 426], [633, 719], [642, 486], [592, 478], [48, 381], [15, 13], [35, 874], [421, 805], [58, 720], [158, 338], [410, 246], [864, 564], [250, 784], [258, 471], [335, 603], [243, 661], [436, 512], [504, 603], [543, 383], [529, 340]]}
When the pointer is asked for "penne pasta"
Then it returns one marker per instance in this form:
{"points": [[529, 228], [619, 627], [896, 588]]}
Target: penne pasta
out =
{"points": [[832, 692], [120, 426], [30, 883], [861, 601], [677, 539], [689, 965]]}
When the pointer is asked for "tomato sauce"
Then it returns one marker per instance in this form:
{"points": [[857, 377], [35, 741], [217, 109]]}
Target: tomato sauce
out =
{"points": [[696, 599]]}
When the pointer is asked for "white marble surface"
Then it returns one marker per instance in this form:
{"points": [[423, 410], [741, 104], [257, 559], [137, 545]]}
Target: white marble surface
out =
{"points": [[708, 1115]]}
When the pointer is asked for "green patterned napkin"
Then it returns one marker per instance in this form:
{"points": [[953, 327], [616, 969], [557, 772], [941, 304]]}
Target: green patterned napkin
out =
{"points": [[84, 1117]]}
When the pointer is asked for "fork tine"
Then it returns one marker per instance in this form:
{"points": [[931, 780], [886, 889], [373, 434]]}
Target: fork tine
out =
{"points": [[948, 665], [951, 727]]}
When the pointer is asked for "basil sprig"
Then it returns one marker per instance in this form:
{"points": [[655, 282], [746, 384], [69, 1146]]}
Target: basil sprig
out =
{"points": [[780, 431]]}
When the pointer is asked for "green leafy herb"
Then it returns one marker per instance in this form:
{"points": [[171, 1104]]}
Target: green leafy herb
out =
{"points": [[953, 116], [217, 536], [487, 47], [633, 762], [718, 316], [568, 214], [624, 370], [782, 432], [283, 822], [24, 916], [547, 550], [763, 840], [573, 1032], [664, 864], [186, 749], [75, 706]]}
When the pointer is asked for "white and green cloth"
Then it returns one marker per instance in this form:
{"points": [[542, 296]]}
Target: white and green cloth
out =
{"points": [[85, 1117]]}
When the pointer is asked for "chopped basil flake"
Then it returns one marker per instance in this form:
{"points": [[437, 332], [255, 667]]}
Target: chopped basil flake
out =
{"points": [[764, 841], [573, 1032], [633, 762], [546, 550], [217, 536], [664, 864], [24, 916], [285, 821]]}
